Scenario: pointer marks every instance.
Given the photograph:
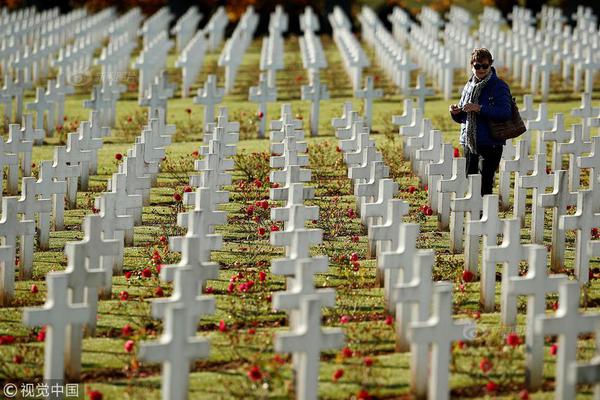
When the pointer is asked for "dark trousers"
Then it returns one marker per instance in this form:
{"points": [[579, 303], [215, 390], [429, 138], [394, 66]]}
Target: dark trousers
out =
{"points": [[484, 162]]}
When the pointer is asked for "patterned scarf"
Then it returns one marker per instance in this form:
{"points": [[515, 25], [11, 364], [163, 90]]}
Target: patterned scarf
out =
{"points": [[473, 97]]}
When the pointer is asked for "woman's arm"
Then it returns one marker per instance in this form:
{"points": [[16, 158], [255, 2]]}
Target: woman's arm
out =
{"points": [[501, 110]]}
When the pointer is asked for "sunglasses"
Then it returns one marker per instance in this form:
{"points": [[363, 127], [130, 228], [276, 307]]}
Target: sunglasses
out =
{"points": [[478, 66]]}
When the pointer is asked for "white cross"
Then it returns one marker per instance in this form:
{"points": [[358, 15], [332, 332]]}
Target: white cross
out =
{"points": [[262, 94], [582, 222], [535, 285], [559, 199], [188, 281], [421, 91], [210, 96], [587, 113], [521, 165], [568, 323], [175, 349], [397, 265], [306, 342], [556, 135], [418, 293], [592, 161], [57, 313], [456, 186], [315, 92], [439, 331], [510, 253], [575, 148], [538, 181], [368, 93], [489, 226], [471, 205]]}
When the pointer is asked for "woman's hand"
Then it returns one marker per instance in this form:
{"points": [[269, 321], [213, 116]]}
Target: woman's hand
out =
{"points": [[454, 109], [469, 107]]}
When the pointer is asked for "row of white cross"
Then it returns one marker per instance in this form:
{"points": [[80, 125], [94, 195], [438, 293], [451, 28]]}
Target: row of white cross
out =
{"points": [[72, 298], [422, 307], [445, 175]]}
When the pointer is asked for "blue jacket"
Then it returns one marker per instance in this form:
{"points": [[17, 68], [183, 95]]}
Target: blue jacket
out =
{"points": [[496, 103]]}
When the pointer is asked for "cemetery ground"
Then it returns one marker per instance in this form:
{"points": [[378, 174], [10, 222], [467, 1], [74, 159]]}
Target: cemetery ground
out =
{"points": [[242, 363]]}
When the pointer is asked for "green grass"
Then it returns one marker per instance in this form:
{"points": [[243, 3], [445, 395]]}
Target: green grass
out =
{"points": [[118, 375]]}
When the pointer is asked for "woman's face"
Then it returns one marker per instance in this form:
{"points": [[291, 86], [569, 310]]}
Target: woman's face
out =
{"points": [[481, 72]]}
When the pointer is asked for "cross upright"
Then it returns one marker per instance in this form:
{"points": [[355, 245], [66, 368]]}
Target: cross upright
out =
{"points": [[369, 93], [30, 205], [582, 222], [510, 253], [82, 284], [521, 165], [397, 265], [440, 202], [315, 92], [12, 161], [559, 199], [538, 181], [41, 105], [210, 96], [557, 134], [307, 341], [57, 314], [421, 91], [456, 186], [489, 226], [575, 148], [301, 285], [262, 94], [587, 113], [47, 188], [176, 350], [439, 331], [568, 323], [344, 120], [592, 162], [418, 293], [187, 283], [534, 285]]}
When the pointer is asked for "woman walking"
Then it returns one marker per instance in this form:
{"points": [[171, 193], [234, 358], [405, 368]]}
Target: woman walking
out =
{"points": [[484, 97]]}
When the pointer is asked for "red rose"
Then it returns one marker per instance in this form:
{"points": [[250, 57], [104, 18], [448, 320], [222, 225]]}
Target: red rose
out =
{"points": [[126, 330], [195, 154], [146, 273], [491, 387], [118, 156], [261, 231], [95, 395], [177, 197], [34, 288], [274, 228], [127, 274], [411, 189], [41, 336], [254, 374], [353, 257], [344, 319], [258, 183], [524, 395], [222, 326], [347, 352], [208, 290], [485, 365], [158, 292], [260, 114], [187, 189], [456, 152], [264, 204], [512, 339], [124, 295], [338, 374], [129, 346], [389, 320], [17, 359], [467, 276], [553, 349], [262, 276], [7, 339], [368, 361], [251, 331]]}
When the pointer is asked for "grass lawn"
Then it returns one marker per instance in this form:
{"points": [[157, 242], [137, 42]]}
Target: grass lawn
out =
{"points": [[248, 321]]}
